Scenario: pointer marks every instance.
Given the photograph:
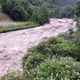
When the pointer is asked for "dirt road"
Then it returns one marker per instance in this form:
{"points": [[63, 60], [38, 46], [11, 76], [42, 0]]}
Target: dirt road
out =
{"points": [[13, 45]]}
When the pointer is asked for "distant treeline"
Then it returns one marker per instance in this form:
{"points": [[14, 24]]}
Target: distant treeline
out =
{"points": [[38, 10], [65, 2]]}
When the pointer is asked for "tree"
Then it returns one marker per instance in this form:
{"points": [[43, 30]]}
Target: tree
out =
{"points": [[40, 15], [18, 13], [15, 10], [78, 8]]}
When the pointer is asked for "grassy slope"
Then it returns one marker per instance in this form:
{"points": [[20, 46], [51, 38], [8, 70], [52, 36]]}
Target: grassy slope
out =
{"points": [[25, 25]]}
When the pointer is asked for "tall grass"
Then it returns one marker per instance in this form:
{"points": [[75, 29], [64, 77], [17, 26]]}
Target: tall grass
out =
{"points": [[25, 25]]}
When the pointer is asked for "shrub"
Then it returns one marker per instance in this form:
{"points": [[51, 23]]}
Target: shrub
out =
{"points": [[40, 18], [18, 13], [12, 76], [8, 5], [40, 15], [63, 69], [31, 61], [78, 23], [14, 10], [77, 42], [54, 47]]}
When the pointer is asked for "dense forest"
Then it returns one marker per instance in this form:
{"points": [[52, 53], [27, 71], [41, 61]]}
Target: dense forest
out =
{"points": [[38, 10], [57, 58], [65, 2]]}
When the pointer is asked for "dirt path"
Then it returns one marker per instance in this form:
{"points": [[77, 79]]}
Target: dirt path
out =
{"points": [[13, 45]]}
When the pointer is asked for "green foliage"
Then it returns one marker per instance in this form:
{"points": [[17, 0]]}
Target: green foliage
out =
{"points": [[74, 37], [14, 10], [62, 12], [18, 13], [43, 62], [54, 11], [63, 69], [12, 76], [22, 11], [66, 12], [78, 8], [77, 42], [40, 16], [31, 61], [55, 46], [78, 23], [46, 50]]}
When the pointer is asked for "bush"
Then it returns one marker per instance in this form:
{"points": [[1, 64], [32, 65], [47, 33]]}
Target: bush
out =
{"points": [[12, 76], [14, 10], [18, 13], [63, 69], [40, 15], [77, 42], [8, 5], [31, 61], [54, 47]]}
